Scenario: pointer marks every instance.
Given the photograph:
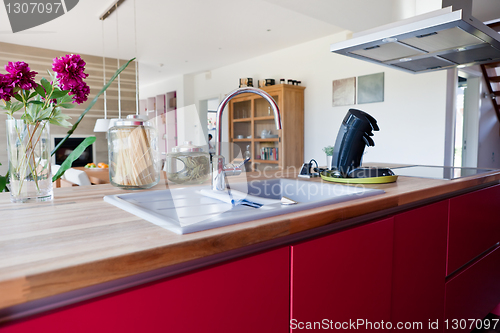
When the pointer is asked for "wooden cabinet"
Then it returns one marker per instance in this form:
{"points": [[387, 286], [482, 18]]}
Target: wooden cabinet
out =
{"points": [[419, 265], [344, 276], [250, 114], [244, 295]]}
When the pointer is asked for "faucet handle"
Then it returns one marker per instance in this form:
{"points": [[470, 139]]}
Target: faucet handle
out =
{"points": [[235, 170], [245, 161]]}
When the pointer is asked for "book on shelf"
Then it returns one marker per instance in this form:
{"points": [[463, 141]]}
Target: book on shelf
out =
{"points": [[269, 153]]}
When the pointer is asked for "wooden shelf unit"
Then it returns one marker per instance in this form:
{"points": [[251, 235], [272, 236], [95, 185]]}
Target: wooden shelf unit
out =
{"points": [[249, 114]]}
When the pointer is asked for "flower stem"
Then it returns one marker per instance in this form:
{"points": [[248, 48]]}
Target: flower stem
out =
{"points": [[27, 154]]}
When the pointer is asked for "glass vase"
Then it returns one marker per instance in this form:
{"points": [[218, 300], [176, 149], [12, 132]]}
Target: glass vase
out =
{"points": [[329, 161], [28, 149]]}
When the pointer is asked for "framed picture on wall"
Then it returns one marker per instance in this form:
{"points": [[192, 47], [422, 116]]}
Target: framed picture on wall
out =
{"points": [[344, 92], [371, 88]]}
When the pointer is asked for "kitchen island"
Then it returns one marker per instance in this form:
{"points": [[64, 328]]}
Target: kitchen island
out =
{"points": [[81, 259]]}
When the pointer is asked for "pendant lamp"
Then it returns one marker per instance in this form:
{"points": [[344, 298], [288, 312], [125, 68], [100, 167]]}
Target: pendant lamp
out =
{"points": [[102, 125], [114, 120]]}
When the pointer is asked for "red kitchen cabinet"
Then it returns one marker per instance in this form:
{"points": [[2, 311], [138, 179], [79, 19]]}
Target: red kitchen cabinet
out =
{"points": [[343, 277], [244, 295], [474, 226], [419, 265], [472, 293]]}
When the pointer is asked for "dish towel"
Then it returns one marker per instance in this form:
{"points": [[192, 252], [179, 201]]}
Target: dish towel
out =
{"points": [[238, 197]]}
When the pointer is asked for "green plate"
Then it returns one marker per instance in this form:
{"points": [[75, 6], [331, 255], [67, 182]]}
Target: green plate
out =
{"points": [[371, 180]]}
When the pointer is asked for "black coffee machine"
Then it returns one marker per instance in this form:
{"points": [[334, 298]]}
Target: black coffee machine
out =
{"points": [[355, 133]]}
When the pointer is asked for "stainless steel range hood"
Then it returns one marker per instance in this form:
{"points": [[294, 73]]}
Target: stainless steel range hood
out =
{"points": [[442, 39]]}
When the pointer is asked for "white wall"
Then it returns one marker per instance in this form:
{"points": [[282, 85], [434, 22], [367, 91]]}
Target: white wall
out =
{"points": [[169, 84], [471, 122], [411, 118], [489, 133]]}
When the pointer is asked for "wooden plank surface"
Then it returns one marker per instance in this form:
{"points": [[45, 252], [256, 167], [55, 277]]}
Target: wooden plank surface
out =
{"points": [[78, 240]]}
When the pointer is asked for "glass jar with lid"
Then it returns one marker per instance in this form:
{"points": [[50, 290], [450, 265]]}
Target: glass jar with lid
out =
{"points": [[133, 154], [187, 164]]}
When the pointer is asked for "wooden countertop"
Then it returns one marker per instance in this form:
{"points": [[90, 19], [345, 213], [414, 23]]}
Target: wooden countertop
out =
{"points": [[78, 240]]}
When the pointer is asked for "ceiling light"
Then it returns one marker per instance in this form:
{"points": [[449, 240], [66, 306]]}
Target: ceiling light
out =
{"points": [[389, 40], [101, 125]]}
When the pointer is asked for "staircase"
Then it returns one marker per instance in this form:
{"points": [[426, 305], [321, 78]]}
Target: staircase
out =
{"points": [[491, 73]]}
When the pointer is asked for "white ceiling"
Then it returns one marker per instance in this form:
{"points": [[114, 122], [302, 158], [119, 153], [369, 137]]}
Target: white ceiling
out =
{"points": [[174, 37]]}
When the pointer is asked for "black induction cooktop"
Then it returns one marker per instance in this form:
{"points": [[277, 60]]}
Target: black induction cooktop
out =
{"points": [[437, 172]]}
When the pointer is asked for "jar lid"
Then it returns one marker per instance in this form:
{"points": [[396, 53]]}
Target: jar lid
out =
{"points": [[186, 148], [133, 120]]}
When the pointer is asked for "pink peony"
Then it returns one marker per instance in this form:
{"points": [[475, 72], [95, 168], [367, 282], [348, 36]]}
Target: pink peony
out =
{"points": [[21, 75], [70, 73], [80, 93], [6, 87]]}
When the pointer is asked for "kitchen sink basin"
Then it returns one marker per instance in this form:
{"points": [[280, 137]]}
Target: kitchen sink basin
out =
{"points": [[189, 209]]}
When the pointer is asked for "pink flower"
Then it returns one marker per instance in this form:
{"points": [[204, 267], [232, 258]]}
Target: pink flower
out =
{"points": [[80, 93], [70, 73], [6, 87], [21, 75]]}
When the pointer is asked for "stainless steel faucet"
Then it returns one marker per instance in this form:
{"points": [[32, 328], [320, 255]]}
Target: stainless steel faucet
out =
{"points": [[220, 170]]}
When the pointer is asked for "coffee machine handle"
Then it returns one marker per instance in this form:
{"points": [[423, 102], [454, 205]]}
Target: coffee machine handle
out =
{"points": [[369, 141]]}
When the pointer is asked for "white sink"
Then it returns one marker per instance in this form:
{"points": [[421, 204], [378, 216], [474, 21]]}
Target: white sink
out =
{"points": [[185, 210]]}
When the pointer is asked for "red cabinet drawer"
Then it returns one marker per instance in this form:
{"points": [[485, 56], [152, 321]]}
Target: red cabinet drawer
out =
{"points": [[474, 292], [343, 276], [245, 295], [419, 267], [474, 226]]}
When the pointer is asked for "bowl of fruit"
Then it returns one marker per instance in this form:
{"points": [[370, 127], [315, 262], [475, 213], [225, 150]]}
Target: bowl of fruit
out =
{"points": [[100, 165]]}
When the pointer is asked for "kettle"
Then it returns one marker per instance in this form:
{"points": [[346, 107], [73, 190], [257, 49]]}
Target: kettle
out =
{"points": [[265, 133]]}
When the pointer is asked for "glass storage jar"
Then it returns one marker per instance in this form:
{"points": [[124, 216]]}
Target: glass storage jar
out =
{"points": [[188, 164], [133, 154]]}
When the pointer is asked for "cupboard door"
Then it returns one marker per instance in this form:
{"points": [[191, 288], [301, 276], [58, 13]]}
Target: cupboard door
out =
{"points": [[473, 293], [245, 295], [474, 226], [419, 266], [344, 276]]}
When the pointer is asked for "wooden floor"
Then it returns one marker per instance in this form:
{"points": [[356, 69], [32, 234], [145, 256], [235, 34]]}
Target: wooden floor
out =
{"points": [[490, 317]]}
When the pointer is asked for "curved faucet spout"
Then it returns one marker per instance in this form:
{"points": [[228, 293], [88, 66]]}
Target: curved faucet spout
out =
{"points": [[219, 171], [231, 95]]}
